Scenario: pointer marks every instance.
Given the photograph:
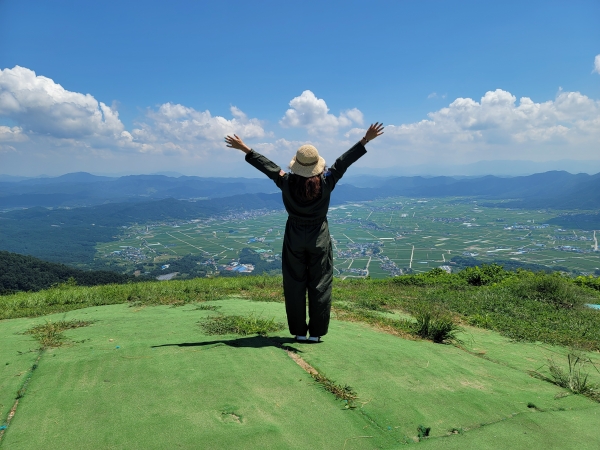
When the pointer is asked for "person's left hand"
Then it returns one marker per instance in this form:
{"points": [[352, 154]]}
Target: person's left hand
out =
{"points": [[235, 142]]}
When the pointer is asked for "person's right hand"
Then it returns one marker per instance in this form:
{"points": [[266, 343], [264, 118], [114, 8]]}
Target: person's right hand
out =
{"points": [[376, 129]]}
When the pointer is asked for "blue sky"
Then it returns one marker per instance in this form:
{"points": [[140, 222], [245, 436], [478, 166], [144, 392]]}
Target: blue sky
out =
{"points": [[141, 87]]}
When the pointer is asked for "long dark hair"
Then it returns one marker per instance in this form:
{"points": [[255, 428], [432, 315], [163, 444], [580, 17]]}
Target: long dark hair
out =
{"points": [[305, 189]]}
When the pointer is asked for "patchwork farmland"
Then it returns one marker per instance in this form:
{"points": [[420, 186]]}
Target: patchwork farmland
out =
{"points": [[377, 239]]}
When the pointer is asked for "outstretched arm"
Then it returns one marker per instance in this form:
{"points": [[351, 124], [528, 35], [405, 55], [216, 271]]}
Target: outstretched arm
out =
{"points": [[265, 165], [339, 167]]}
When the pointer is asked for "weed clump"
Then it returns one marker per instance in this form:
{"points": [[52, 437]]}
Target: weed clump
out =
{"points": [[241, 325], [207, 307], [436, 327], [345, 392], [423, 432], [574, 378], [50, 334]]}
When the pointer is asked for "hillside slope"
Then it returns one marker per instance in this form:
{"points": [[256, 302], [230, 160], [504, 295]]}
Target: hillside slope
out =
{"points": [[180, 364], [150, 377], [26, 273]]}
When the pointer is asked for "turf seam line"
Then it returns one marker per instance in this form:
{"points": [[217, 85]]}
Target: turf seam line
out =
{"points": [[487, 358], [20, 394], [494, 422], [319, 378]]}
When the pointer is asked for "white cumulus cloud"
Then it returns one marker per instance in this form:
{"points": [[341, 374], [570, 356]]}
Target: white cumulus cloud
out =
{"points": [[597, 64], [498, 115], [178, 128], [308, 111], [567, 125], [39, 105]]}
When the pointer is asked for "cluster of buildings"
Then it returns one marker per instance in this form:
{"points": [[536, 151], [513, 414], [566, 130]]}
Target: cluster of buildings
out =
{"points": [[359, 272], [570, 248], [452, 219], [244, 215], [390, 266], [131, 254], [237, 267], [526, 227], [356, 250], [256, 239]]}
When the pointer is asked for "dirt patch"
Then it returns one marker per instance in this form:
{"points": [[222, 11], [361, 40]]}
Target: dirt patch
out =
{"points": [[298, 360]]}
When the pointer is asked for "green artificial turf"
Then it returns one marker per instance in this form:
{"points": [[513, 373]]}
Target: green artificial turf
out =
{"points": [[216, 392], [148, 377], [18, 354], [557, 430]]}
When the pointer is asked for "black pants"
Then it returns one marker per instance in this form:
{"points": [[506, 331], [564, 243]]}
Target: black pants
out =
{"points": [[307, 266]]}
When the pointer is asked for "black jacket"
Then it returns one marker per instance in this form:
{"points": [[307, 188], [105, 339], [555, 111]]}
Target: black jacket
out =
{"points": [[317, 208]]}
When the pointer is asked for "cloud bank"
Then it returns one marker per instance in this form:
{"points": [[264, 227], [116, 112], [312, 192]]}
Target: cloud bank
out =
{"points": [[38, 118]]}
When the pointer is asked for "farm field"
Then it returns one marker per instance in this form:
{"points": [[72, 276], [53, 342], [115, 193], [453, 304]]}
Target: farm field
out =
{"points": [[377, 238]]}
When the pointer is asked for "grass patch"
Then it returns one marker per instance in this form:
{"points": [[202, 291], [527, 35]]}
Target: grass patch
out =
{"points": [[241, 325], [207, 307], [574, 378], [487, 297], [344, 393], [423, 432], [436, 327], [431, 324], [50, 334]]}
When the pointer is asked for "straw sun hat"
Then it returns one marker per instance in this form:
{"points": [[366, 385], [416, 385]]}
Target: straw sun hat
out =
{"points": [[307, 162]]}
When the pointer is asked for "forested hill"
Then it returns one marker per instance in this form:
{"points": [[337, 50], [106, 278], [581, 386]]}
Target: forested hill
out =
{"points": [[26, 273], [70, 236]]}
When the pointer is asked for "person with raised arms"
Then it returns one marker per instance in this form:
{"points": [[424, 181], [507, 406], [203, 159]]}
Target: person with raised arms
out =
{"points": [[307, 255]]}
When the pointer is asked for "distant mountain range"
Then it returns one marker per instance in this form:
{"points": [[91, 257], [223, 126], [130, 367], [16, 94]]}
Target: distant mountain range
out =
{"points": [[554, 189], [511, 168], [84, 189]]}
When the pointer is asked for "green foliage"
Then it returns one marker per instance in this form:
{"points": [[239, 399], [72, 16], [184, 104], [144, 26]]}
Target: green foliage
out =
{"points": [[242, 325], [436, 326], [434, 277], [26, 273], [523, 306], [50, 334], [484, 275], [553, 289], [588, 281]]}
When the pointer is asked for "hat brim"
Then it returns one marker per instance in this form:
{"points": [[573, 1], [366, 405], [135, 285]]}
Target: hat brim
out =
{"points": [[307, 171]]}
